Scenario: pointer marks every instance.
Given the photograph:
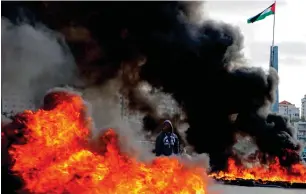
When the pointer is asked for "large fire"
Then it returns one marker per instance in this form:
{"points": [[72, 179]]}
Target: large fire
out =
{"points": [[58, 158], [272, 173]]}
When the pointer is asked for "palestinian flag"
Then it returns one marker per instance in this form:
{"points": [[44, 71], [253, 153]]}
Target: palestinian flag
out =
{"points": [[269, 11]]}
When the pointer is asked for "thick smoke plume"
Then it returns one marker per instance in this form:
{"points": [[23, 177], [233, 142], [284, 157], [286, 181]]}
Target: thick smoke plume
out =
{"points": [[33, 60], [197, 62]]}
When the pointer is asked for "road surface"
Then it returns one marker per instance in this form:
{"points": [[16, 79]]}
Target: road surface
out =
{"points": [[226, 189]]}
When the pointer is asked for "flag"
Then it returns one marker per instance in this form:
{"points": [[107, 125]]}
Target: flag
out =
{"points": [[269, 11]]}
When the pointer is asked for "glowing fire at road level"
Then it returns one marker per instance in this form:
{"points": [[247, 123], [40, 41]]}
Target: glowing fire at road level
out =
{"points": [[58, 158], [275, 172]]}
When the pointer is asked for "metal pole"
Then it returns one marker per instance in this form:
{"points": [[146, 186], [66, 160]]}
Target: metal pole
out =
{"points": [[273, 34], [274, 24]]}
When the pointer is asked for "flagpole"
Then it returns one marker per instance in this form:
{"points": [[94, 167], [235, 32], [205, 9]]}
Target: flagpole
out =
{"points": [[273, 35], [274, 63], [274, 24]]}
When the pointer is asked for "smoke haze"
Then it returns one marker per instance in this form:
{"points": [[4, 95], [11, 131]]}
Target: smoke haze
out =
{"points": [[34, 59], [199, 62]]}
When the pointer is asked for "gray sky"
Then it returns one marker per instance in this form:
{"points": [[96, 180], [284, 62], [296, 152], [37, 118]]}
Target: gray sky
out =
{"points": [[290, 36]]}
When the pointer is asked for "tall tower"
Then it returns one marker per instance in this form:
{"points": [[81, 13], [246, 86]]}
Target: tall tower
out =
{"points": [[303, 112], [274, 64]]}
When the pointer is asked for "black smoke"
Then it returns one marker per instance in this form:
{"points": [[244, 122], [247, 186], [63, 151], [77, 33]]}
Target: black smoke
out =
{"points": [[160, 43]]}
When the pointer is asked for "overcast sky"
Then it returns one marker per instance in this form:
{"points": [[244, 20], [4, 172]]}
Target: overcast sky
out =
{"points": [[290, 36]]}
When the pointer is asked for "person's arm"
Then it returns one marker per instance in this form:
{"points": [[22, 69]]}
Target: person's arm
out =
{"points": [[158, 145]]}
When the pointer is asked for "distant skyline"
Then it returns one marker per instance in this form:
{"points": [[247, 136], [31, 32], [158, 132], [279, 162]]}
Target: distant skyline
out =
{"points": [[290, 37]]}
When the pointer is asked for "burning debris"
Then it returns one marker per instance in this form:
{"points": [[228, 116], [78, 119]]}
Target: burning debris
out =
{"points": [[58, 157], [247, 168], [272, 173], [162, 43]]}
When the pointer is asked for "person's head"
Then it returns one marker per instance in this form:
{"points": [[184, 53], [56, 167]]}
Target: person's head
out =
{"points": [[167, 126]]}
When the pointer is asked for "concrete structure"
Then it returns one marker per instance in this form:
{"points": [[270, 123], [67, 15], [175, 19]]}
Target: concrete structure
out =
{"points": [[303, 107], [274, 64], [301, 135], [289, 110], [301, 131], [168, 105], [135, 118], [165, 105]]}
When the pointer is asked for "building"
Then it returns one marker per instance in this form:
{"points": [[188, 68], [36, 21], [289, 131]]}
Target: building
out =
{"points": [[289, 110], [133, 117], [303, 107], [274, 64], [301, 130], [166, 104], [301, 136]]}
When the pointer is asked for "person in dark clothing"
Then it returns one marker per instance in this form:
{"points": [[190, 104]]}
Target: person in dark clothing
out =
{"points": [[167, 142]]}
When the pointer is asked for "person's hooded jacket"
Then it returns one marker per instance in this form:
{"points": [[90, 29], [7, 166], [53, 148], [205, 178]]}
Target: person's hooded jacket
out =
{"points": [[167, 142]]}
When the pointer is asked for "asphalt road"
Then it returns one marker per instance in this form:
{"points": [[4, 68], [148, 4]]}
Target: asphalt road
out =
{"points": [[226, 189]]}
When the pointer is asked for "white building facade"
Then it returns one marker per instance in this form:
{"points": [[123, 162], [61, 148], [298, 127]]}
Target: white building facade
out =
{"points": [[289, 110], [301, 131], [165, 105], [303, 107], [301, 135]]}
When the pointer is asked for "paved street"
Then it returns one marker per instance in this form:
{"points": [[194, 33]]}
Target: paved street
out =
{"points": [[225, 189]]}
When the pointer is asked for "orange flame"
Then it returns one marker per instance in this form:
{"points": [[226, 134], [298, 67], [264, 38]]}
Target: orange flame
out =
{"points": [[57, 158], [274, 172]]}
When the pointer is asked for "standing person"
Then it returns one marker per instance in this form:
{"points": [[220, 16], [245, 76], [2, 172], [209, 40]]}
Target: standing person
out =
{"points": [[167, 142]]}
